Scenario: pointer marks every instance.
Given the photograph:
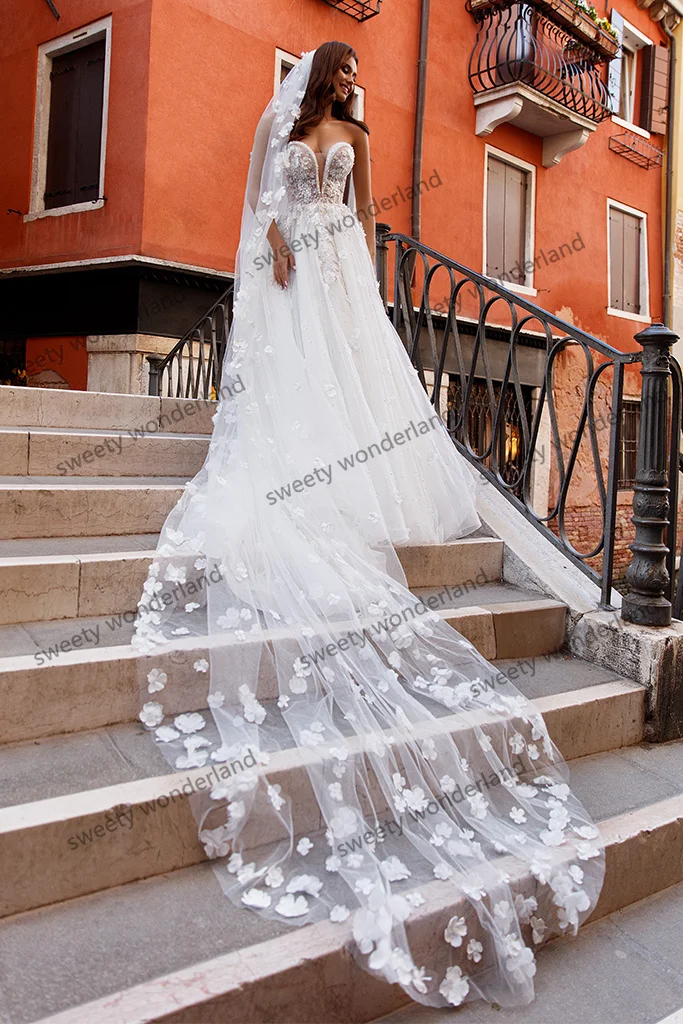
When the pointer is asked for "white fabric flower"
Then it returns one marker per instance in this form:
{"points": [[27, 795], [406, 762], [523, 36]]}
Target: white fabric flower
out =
{"points": [[310, 884], [394, 870], [304, 846], [165, 733], [474, 950], [454, 987], [274, 877], [156, 680], [292, 906], [201, 665], [456, 929], [152, 714], [339, 913], [216, 842], [256, 898], [191, 722]]}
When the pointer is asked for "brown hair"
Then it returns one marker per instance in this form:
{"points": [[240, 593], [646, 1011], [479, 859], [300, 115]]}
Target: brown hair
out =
{"points": [[328, 58]]}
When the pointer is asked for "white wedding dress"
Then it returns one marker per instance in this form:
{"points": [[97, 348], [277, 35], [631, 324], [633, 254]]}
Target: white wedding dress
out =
{"points": [[366, 764]]}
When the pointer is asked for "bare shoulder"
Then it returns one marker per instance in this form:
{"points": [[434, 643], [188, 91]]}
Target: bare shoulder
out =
{"points": [[359, 138]]}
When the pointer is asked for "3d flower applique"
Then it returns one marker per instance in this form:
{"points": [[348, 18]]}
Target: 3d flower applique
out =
{"points": [[190, 722], [354, 860], [455, 931], [192, 606], [175, 574], [402, 637], [283, 701], [201, 665], [292, 906], [364, 886], [246, 873], [274, 796], [525, 907], [414, 899], [447, 784], [304, 846], [229, 619], [455, 986], [474, 950], [253, 710], [152, 714], [339, 913], [216, 700], [587, 831], [538, 929], [309, 884], [152, 586], [443, 871], [429, 750], [518, 815], [394, 659], [516, 743], [200, 563], [474, 890], [478, 807], [333, 863], [156, 680], [335, 791], [393, 869], [166, 733], [522, 966], [256, 898], [274, 877], [503, 915], [216, 842]]}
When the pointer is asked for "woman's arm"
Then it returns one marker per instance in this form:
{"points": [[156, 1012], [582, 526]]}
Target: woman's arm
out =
{"points": [[283, 259], [363, 188]]}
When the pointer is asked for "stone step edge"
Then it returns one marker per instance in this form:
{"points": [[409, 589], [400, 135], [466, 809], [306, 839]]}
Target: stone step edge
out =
{"points": [[520, 630], [580, 722], [33, 407], [247, 986], [421, 564]]}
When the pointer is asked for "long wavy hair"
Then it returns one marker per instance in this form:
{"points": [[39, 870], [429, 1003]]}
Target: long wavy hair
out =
{"points": [[328, 58]]}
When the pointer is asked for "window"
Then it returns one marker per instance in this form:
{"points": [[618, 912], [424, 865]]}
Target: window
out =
{"points": [[627, 259], [71, 121], [636, 80], [509, 220], [75, 132], [628, 454]]}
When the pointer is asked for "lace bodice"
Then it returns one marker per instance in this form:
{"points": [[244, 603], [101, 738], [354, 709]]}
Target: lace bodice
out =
{"points": [[302, 176]]}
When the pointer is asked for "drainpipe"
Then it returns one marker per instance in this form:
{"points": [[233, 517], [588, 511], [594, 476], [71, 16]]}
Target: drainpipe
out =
{"points": [[667, 305], [419, 119]]}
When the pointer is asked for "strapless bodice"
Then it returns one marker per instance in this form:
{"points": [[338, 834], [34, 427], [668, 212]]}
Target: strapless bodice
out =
{"points": [[302, 176]]}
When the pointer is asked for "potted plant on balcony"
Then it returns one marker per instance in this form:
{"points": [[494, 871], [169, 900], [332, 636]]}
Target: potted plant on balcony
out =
{"points": [[577, 16]]}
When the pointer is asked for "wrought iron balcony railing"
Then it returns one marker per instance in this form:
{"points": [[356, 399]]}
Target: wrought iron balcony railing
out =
{"points": [[521, 42]]}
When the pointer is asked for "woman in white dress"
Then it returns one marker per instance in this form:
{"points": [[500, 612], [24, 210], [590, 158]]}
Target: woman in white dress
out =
{"points": [[366, 762]]}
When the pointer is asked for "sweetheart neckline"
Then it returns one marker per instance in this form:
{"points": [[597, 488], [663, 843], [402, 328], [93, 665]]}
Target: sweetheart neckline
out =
{"points": [[339, 142]]}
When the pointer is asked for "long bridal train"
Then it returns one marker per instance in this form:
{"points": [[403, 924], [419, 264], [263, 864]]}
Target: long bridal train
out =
{"points": [[367, 758]]}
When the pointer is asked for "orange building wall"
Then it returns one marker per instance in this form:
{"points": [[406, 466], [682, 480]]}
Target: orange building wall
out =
{"points": [[188, 82]]}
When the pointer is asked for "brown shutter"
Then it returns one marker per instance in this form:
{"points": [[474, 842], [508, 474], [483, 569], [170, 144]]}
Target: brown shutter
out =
{"points": [[495, 218], [624, 252], [74, 134], [505, 221], [654, 97]]}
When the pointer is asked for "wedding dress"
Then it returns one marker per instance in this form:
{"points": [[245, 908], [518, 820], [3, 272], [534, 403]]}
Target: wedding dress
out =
{"points": [[361, 760]]}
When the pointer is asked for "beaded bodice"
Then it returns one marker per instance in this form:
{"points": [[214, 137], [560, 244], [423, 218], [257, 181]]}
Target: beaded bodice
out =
{"points": [[302, 176]]}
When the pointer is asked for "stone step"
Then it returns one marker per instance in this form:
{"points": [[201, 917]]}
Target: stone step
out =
{"points": [[173, 948], [63, 585], [91, 410], [70, 453], [57, 807], [82, 673], [90, 507]]}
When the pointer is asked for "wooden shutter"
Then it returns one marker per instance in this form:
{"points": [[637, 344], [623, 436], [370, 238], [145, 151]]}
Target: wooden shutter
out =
{"points": [[75, 130], [654, 96], [614, 71], [506, 203], [624, 251]]}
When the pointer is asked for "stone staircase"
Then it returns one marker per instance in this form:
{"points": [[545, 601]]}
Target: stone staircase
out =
{"points": [[109, 911]]}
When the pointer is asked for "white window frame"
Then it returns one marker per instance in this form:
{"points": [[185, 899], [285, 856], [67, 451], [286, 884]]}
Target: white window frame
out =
{"points": [[635, 40], [100, 29], [530, 221], [643, 318], [284, 57]]}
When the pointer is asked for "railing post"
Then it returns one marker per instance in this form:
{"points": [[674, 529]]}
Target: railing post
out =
{"points": [[647, 604], [381, 258], [154, 359]]}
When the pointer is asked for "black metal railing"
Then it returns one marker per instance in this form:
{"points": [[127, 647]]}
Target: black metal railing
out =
{"points": [[516, 42], [192, 369], [678, 600], [452, 321]]}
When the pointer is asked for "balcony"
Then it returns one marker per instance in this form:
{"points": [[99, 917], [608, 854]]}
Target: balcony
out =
{"points": [[540, 65]]}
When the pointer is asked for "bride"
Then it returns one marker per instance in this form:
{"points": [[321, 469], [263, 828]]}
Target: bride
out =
{"points": [[367, 765]]}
